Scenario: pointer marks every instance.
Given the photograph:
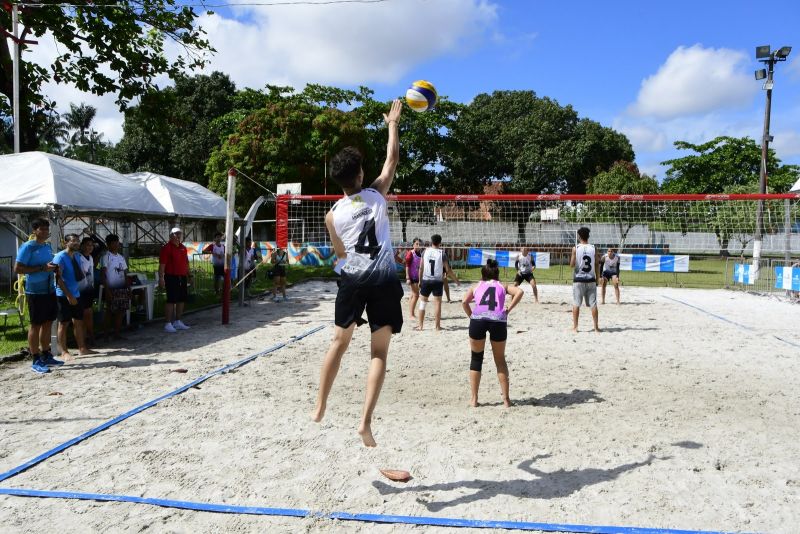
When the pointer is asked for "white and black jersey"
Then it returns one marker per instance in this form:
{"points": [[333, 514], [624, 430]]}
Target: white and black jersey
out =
{"points": [[584, 263], [433, 264], [525, 264], [611, 265], [362, 223]]}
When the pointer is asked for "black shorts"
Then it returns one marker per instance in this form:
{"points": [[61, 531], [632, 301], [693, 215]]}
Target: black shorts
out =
{"points": [[609, 274], [67, 312], [279, 270], [219, 271], [86, 300], [381, 302], [431, 286], [177, 288], [42, 308], [498, 330], [523, 278]]}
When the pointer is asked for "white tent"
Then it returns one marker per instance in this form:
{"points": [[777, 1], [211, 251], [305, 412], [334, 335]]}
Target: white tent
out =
{"points": [[185, 199], [796, 187], [40, 181]]}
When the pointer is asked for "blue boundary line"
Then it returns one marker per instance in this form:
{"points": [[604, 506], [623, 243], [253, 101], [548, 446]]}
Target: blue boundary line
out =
{"points": [[44, 456], [293, 512], [344, 516], [721, 318]]}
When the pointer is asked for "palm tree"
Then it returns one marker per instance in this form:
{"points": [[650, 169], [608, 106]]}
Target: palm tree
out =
{"points": [[53, 131], [80, 118]]}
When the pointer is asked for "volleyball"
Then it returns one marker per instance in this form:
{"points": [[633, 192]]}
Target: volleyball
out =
{"points": [[421, 96]]}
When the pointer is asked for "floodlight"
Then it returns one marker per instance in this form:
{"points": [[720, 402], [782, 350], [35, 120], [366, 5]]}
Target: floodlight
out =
{"points": [[761, 74], [783, 52], [762, 51]]}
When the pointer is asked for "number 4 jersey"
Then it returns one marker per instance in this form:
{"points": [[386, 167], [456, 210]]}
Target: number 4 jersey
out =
{"points": [[490, 301], [362, 223]]}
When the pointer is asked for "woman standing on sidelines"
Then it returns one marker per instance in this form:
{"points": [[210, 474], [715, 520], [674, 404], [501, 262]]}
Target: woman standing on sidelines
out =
{"points": [[489, 315], [412, 261]]}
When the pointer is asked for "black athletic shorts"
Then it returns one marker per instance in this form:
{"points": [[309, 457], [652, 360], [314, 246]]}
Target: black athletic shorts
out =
{"points": [[609, 274], [523, 278], [219, 271], [381, 302], [42, 308], [176, 286], [497, 329], [86, 300], [431, 286], [279, 270], [67, 312]]}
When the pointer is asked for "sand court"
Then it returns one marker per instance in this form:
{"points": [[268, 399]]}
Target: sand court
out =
{"points": [[681, 414]]}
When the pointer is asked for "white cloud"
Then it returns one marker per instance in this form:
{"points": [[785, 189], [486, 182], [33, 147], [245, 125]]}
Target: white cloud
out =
{"points": [[643, 138], [696, 80], [786, 144], [345, 44]]}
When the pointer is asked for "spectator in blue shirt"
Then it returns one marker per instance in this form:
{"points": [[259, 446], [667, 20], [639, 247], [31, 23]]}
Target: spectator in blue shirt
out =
{"points": [[34, 260], [69, 276]]}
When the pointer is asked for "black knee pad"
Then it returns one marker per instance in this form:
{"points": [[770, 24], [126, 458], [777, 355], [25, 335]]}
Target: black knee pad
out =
{"points": [[477, 361]]}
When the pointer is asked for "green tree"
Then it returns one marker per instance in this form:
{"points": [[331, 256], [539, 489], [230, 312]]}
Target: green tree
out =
{"points": [[115, 48], [532, 145], [170, 132], [723, 163]]}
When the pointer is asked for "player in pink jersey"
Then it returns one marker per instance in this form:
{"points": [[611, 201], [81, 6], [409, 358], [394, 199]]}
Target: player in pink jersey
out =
{"points": [[412, 260], [489, 315]]}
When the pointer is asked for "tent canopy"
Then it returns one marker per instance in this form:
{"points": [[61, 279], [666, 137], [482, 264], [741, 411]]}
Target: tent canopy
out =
{"points": [[796, 187], [186, 199], [40, 181]]}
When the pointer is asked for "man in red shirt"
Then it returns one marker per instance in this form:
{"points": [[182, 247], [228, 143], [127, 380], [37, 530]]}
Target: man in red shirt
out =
{"points": [[173, 270]]}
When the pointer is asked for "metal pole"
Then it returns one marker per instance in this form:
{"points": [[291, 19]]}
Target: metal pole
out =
{"points": [[787, 228], [226, 291], [14, 29], [241, 267], [762, 185]]}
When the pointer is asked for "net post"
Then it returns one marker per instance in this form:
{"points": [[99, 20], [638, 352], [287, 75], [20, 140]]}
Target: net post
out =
{"points": [[282, 222], [787, 227], [226, 291]]}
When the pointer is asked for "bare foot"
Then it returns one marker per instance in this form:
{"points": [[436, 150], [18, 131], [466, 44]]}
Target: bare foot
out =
{"points": [[87, 352], [574, 329], [418, 328], [596, 330], [366, 436], [318, 414], [473, 403], [438, 328], [507, 403], [66, 356]]}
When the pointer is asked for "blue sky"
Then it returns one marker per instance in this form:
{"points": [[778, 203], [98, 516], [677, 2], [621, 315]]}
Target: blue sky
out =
{"points": [[657, 71]]}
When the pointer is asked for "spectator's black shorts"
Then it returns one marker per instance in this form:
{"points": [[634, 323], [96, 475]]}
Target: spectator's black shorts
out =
{"points": [[523, 278], [219, 271], [177, 288], [498, 331], [279, 270], [67, 312], [431, 286], [86, 300], [381, 302], [42, 308]]}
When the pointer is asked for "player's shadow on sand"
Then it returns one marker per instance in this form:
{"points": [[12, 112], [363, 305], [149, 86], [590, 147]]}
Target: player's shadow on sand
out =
{"points": [[558, 400], [134, 362], [627, 328], [549, 485]]}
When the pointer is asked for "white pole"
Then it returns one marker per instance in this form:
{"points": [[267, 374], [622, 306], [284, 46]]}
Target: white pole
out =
{"points": [[226, 293], [14, 29]]}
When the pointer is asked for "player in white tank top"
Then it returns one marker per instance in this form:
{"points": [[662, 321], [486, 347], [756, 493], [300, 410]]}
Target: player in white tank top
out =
{"points": [[358, 225], [433, 269], [610, 261], [584, 280]]}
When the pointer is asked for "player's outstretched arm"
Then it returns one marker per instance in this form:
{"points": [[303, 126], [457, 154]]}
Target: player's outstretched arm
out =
{"points": [[516, 296], [383, 182], [469, 297]]}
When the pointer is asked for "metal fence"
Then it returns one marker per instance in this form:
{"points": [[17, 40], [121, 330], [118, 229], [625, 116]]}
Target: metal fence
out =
{"points": [[764, 282]]}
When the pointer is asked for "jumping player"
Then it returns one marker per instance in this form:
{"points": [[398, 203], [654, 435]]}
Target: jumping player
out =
{"points": [[610, 261], [584, 280], [525, 264], [489, 315], [432, 270], [412, 261], [359, 228]]}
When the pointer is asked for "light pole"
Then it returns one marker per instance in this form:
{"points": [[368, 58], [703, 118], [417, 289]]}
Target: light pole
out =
{"points": [[769, 58]]}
